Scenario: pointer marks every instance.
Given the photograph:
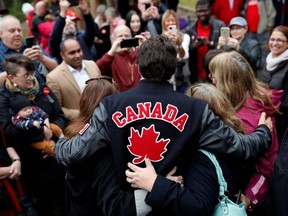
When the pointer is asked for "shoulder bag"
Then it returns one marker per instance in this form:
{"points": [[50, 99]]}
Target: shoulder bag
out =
{"points": [[225, 207]]}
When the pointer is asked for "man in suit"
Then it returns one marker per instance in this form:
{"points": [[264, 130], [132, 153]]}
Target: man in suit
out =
{"points": [[67, 80]]}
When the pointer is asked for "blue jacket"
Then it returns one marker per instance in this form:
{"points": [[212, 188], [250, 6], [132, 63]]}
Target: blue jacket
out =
{"points": [[6, 52]]}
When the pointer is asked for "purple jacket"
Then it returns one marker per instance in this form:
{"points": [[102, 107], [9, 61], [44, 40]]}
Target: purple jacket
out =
{"points": [[250, 113]]}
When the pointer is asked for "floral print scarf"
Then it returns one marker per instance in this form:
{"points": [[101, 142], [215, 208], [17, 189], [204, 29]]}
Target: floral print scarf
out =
{"points": [[30, 93]]}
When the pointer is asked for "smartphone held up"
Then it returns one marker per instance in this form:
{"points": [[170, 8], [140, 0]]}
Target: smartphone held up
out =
{"points": [[131, 42], [30, 41], [225, 32], [147, 5], [73, 3], [172, 28]]}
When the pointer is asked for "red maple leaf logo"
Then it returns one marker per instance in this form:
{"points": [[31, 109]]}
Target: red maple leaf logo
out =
{"points": [[147, 145]]}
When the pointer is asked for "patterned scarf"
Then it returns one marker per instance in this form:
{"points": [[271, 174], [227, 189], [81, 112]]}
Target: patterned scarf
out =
{"points": [[30, 93]]}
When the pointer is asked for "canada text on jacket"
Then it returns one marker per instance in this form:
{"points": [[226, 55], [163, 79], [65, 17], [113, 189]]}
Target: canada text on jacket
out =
{"points": [[146, 111]]}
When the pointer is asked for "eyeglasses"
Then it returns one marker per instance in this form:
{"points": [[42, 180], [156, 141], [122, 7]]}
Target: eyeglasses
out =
{"points": [[277, 40], [27, 76], [211, 76], [99, 78]]}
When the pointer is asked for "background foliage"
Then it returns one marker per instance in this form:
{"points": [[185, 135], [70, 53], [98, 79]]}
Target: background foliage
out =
{"points": [[14, 7]]}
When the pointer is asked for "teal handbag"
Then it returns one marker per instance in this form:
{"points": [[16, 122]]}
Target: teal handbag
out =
{"points": [[225, 207]]}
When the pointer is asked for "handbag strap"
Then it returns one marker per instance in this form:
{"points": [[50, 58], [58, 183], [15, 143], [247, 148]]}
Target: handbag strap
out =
{"points": [[221, 179]]}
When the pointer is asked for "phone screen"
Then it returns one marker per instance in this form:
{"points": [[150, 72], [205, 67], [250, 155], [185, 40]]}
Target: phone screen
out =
{"points": [[132, 42], [225, 32], [147, 5], [30, 41]]}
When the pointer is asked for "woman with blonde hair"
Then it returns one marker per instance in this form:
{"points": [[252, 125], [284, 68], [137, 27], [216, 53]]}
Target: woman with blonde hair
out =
{"points": [[170, 27], [218, 103], [233, 75]]}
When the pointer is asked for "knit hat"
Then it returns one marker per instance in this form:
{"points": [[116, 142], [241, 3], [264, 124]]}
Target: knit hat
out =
{"points": [[18, 102], [239, 21]]}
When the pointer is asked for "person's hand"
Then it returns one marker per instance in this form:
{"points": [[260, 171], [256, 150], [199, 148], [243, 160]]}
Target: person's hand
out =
{"points": [[246, 200], [141, 177], [154, 12], [173, 36], [197, 43], [15, 170], [147, 14], [30, 53], [36, 124], [141, 39], [34, 53], [221, 42], [83, 6], [39, 54], [47, 122], [98, 40], [115, 48], [177, 179], [64, 5], [47, 133], [232, 42], [205, 41], [267, 121], [146, 34]]}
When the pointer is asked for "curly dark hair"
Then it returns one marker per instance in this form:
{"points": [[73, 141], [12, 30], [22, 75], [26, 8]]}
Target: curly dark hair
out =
{"points": [[157, 58]]}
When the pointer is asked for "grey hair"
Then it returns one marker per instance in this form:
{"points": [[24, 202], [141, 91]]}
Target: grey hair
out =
{"points": [[101, 8], [111, 11], [4, 18]]}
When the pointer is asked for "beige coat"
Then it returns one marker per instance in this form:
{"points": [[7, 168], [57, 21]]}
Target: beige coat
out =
{"points": [[63, 84]]}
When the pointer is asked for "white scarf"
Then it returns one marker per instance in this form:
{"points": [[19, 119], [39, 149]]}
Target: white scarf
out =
{"points": [[273, 62]]}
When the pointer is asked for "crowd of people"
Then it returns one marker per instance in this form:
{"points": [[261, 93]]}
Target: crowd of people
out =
{"points": [[108, 112]]}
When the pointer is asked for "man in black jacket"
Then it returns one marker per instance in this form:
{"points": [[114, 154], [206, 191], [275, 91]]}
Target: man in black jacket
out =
{"points": [[204, 33], [151, 120]]}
